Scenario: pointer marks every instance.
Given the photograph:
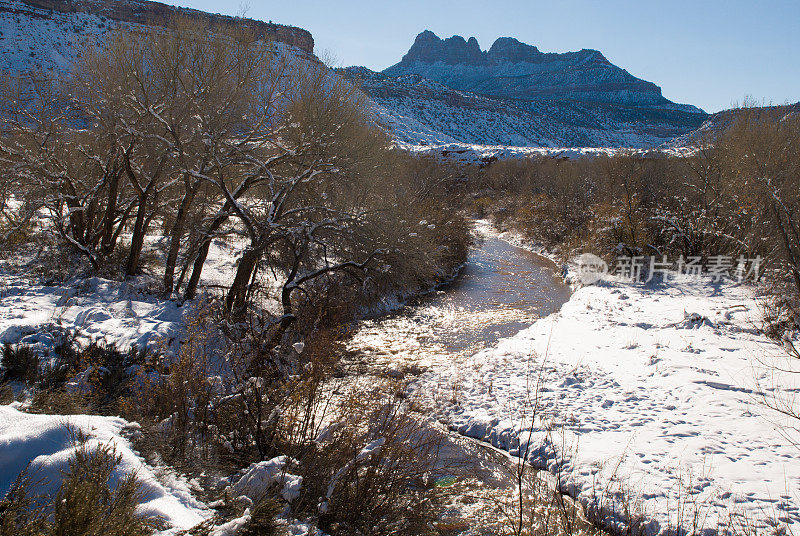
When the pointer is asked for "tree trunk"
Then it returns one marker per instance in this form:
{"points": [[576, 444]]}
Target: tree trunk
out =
{"points": [[197, 269], [237, 295], [202, 254], [175, 241], [107, 241], [137, 240]]}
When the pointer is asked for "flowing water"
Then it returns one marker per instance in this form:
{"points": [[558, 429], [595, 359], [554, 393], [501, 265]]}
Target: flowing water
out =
{"points": [[501, 290]]}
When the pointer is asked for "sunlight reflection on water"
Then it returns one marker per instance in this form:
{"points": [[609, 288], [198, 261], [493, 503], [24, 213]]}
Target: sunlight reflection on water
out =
{"points": [[502, 290]]}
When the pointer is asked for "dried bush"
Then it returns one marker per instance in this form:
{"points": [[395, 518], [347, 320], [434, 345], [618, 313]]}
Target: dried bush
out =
{"points": [[22, 512], [89, 502], [58, 401], [369, 471], [262, 519], [20, 363], [75, 378]]}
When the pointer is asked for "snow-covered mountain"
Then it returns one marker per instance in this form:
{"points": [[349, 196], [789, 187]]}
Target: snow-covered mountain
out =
{"points": [[442, 92], [420, 111], [48, 34], [512, 69], [446, 91]]}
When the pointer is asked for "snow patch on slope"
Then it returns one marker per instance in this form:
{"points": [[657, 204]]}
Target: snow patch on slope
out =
{"points": [[45, 445]]}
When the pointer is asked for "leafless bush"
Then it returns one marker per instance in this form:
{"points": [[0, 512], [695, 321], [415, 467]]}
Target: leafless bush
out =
{"points": [[86, 504], [19, 363], [369, 471]]}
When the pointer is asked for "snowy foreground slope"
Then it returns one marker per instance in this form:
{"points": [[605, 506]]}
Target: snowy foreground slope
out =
{"points": [[95, 308], [626, 389], [45, 442]]}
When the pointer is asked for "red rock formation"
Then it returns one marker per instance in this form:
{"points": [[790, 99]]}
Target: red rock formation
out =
{"points": [[158, 14]]}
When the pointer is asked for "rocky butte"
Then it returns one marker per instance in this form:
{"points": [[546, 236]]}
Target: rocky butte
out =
{"points": [[512, 69]]}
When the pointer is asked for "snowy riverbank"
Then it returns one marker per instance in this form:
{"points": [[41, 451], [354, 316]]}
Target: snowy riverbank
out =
{"points": [[656, 391]]}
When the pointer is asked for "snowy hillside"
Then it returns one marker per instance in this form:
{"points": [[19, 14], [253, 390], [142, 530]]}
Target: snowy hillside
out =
{"points": [[41, 34], [41, 39], [419, 111]]}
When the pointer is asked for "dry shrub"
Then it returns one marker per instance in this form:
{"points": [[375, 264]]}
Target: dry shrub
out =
{"points": [[101, 375], [111, 373], [172, 396], [20, 363], [14, 234], [22, 512], [227, 400], [369, 472], [86, 504], [59, 401], [6, 394], [262, 519]]}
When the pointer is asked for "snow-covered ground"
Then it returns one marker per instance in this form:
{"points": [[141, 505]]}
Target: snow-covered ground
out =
{"points": [[96, 308], [655, 390], [45, 444], [466, 152], [117, 312]]}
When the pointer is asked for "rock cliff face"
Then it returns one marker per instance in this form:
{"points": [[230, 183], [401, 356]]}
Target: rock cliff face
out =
{"points": [[151, 14], [512, 69]]}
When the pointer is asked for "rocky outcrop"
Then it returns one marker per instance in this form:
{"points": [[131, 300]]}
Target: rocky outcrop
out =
{"points": [[428, 48], [512, 69], [158, 14]]}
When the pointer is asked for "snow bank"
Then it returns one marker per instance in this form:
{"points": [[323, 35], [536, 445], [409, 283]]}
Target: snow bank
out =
{"points": [[655, 389], [45, 442], [96, 308], [260, 477]]}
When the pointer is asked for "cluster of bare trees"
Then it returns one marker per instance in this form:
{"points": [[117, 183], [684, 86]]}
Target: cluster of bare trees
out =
{"points": [[737, 193], [166, 140]]}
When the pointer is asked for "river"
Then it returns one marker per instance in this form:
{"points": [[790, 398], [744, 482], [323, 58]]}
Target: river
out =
{"points": [[501, 289]]}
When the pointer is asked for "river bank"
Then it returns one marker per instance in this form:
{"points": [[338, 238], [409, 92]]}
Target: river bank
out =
{"points": [[647, 402]]}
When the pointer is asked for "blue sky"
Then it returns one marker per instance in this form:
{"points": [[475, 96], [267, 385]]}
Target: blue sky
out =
{"points": [[710, 53]]}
